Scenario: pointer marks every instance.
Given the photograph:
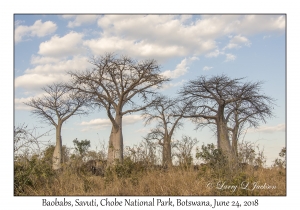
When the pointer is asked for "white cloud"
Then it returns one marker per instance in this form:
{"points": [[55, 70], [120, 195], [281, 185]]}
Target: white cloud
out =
{"points": [[19, 104], [236, 42], [54, 61], [168, 85], [220, 25], [19, 22], [181, 68], [166, 31], [230, 57], [127, 119], [141, 36], [43, 60], [194, 58], [131, 119], [36, 81], [240, 39], [76, 63], [70, 44], [250, 24], [268, 129], [141, 49], [47, 73], [80, 20], [185, 18], [101, 122], [207, 68], [104, 123], [215, 53], [143, 130], [38, 29], [151, 36]]}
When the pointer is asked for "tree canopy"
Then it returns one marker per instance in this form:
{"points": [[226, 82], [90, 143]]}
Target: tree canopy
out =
{"points": [[117, 83], [227, 103]]}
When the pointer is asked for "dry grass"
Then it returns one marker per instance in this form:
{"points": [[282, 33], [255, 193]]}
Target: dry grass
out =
{"points": [[174, 182], [218, 177]]}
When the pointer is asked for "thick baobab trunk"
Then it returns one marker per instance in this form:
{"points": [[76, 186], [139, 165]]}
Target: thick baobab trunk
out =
{"points": [[167, 156], [115, 147], [223, 137], [57, 154]]}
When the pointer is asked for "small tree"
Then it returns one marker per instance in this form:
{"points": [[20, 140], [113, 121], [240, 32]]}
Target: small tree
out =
{"points": [[212, 156], [56, 106], [251, 154], [184, 148], [163, 111], [145, 152], [82, 146]]}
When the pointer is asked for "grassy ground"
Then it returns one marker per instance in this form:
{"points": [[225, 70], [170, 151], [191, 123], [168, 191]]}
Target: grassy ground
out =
{"points": [[176, 181], [33, 175]]}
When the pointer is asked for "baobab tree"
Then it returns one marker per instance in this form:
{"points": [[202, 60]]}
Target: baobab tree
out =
{"points": [[249, 112], [163, 110], [212, 99], [122, 86], [56, 106]]}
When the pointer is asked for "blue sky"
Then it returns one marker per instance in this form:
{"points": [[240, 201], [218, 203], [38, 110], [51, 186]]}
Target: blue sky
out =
{"points": [[186, 46]]}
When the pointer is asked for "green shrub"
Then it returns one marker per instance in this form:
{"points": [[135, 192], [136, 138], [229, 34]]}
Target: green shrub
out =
{"points": [[211, 156], [30, 172]]}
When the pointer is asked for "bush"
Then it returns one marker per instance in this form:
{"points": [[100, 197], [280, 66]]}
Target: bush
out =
{"points": [[251, 154], [281, 162], [184, 149], [211, 156], [31, 172], [30, 165]]}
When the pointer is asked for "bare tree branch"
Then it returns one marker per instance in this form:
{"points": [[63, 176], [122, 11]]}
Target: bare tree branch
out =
{"points": [[168, 113], [229, 104], [116, 83], [57, 105]]}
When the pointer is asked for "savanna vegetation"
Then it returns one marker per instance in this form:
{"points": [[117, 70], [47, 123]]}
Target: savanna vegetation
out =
{"points": [[85, 171], [159, 165]]}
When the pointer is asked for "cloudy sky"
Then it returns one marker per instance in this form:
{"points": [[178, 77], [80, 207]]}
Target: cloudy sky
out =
{"points": [[186, 46]]}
